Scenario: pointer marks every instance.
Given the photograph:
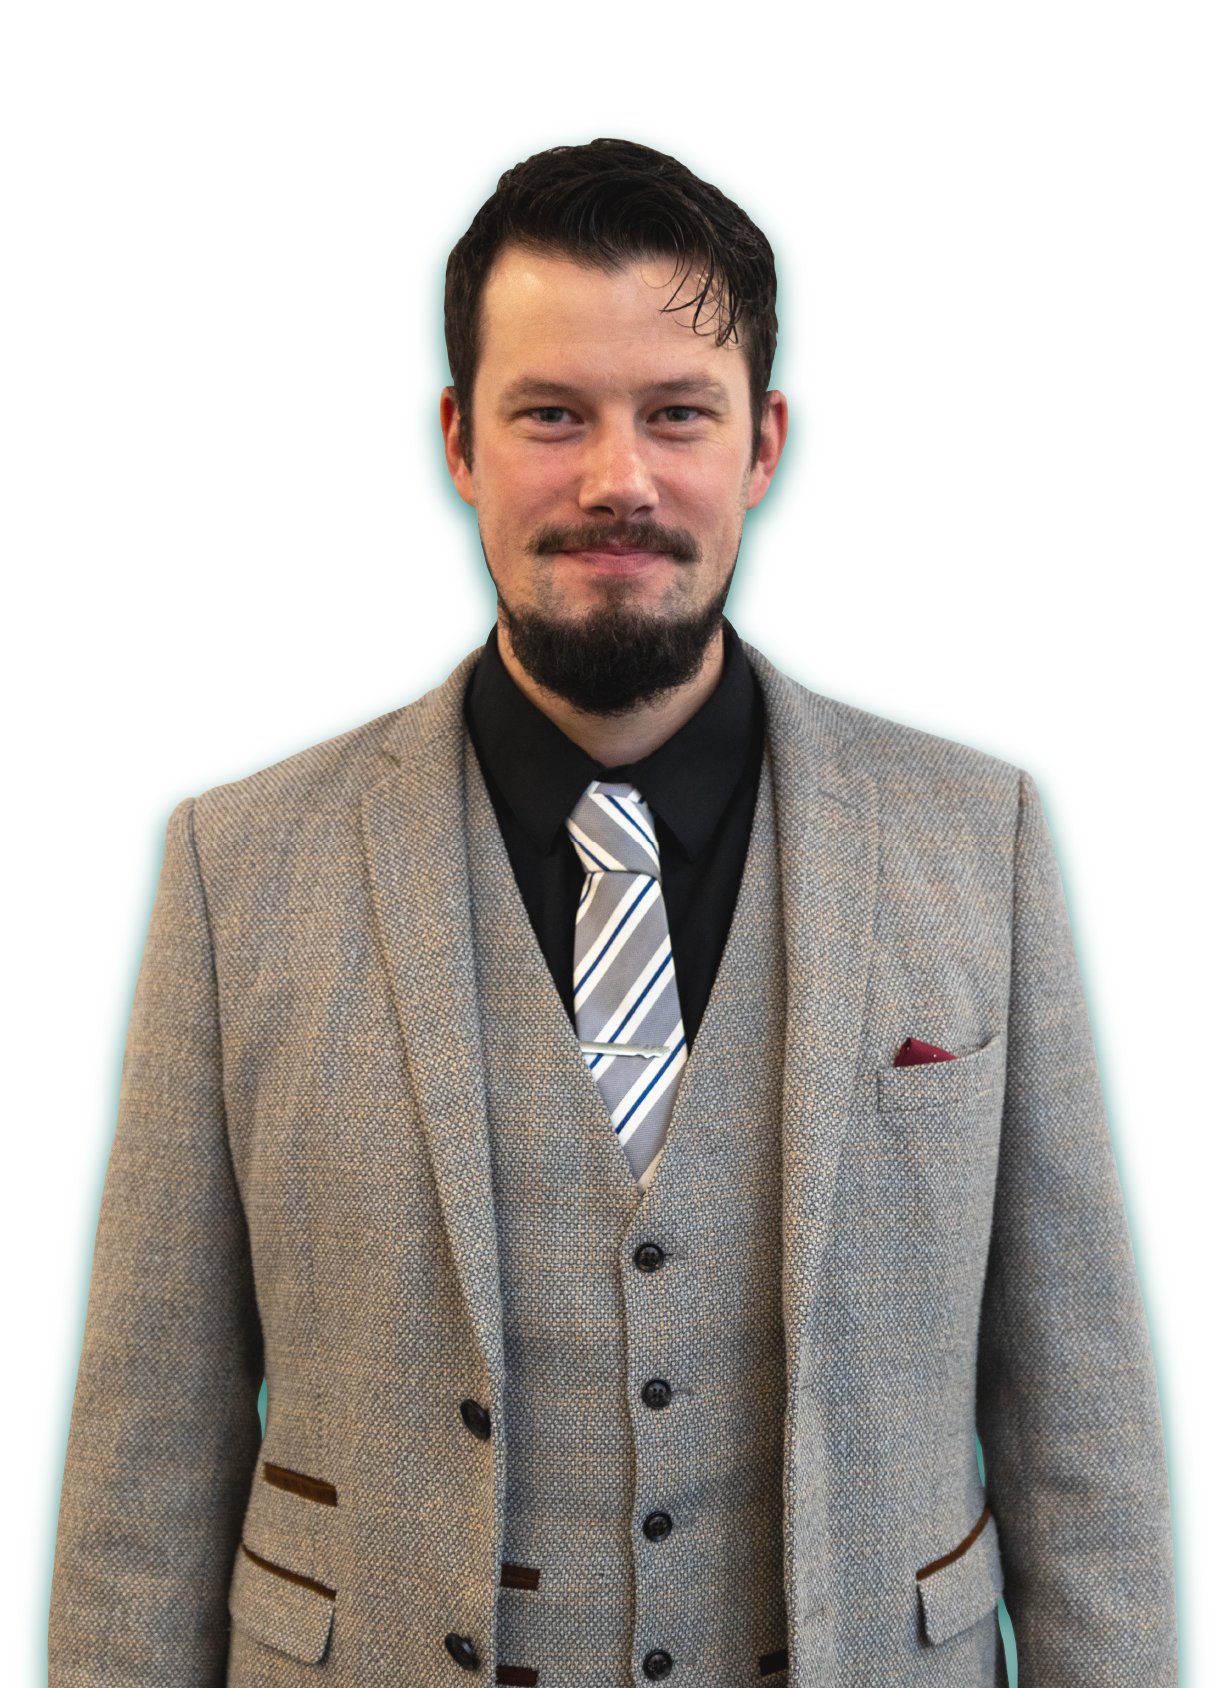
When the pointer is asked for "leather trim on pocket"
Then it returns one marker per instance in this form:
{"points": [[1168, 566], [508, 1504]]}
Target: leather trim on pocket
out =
{"points": [[958, 1552], [287, 1575], [281, 1608], [296, 1483], [519, 1576], [963, 1587]]}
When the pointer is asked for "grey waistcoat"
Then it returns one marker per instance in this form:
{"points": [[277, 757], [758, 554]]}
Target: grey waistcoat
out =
{"points": [[584, 1328]]}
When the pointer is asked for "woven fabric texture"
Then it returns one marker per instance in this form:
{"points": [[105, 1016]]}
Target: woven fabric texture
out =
{"points": [[302, 1182]]}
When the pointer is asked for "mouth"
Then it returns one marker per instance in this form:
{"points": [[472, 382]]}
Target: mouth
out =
{"points": [[614, 559], [627, 549]]}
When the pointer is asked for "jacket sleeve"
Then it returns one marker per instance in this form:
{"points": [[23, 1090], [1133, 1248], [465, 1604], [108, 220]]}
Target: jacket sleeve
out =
{"points": [[1068, 1414], [165, 1429]]}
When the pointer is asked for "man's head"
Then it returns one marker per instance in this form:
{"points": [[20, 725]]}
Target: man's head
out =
{"points": [[611, 325]]}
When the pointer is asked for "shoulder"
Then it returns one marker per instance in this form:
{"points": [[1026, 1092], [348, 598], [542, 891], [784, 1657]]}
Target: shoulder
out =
{"points": [[332, 779], [910, 771]]}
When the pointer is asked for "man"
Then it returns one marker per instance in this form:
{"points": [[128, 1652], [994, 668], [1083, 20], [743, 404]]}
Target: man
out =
{"points": [[640, 1117]]}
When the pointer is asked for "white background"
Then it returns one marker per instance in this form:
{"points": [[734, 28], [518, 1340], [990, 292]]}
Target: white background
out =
{"points": [[228, 532]]}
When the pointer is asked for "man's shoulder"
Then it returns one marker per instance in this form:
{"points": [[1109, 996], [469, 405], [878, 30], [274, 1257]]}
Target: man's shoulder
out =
{"points": [[337, 774], [906, 764]]}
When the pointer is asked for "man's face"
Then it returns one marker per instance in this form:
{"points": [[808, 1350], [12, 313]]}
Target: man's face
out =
{"points": [[613, 446]]}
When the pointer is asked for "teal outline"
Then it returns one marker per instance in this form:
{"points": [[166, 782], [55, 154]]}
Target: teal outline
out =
{"points": [[763, 530]]}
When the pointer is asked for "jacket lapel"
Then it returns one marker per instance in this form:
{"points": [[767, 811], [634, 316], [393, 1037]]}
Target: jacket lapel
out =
{"points": [[415, 829], [828, 861], [416, 837]]}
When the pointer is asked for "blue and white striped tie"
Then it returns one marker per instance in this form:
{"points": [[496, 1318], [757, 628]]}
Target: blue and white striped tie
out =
{"points": [[628, 1018]]}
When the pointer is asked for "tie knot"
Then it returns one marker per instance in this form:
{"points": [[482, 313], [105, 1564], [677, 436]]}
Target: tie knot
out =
{"points": [[612, 830]]}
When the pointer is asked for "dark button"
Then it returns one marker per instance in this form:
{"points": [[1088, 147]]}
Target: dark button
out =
{"points": [[477, 1420], [657, 1665], [656, 1526], [649, 1257], [656, 1393], [461, 1651]]}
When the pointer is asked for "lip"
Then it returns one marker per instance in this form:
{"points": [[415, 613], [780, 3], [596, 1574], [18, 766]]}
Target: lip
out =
{"points": [[616, 561]]}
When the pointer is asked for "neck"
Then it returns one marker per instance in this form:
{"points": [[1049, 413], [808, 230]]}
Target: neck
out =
{"points": [[616, 740]]}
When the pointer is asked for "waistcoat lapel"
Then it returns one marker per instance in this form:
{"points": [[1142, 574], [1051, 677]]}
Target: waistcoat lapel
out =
{"points": [[416, 838], [828, 855]]}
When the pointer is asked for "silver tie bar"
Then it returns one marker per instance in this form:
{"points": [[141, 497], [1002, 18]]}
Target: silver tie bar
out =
{"points": [[622, 1049]]}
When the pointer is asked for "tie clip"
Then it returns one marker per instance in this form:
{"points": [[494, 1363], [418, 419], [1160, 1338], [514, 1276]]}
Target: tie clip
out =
{"points": [[622, 1049]]}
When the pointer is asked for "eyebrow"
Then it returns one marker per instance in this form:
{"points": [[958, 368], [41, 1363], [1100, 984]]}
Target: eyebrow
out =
{"points": [[690, 386]]}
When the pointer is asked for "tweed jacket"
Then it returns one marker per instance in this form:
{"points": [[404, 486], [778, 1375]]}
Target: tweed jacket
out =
{"points": [[300, 1188]]}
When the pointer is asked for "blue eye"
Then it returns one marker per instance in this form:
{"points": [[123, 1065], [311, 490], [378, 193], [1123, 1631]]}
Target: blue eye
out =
{"points": [[680, 412]]}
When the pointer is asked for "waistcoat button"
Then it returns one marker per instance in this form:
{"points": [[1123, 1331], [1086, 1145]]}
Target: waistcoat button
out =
{"points": [[657, 1665], [477, 1421], [657, 1525], [649, 1257], [461, 1650], [656, 1394]]}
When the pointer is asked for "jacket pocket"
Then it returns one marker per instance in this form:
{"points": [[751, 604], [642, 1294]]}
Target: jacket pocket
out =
{"points": [[280, 1607], [971, 1083], [960, 1589]]}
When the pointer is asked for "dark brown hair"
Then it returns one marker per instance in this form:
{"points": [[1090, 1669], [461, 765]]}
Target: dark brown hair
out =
{"points": [[605, 204]]}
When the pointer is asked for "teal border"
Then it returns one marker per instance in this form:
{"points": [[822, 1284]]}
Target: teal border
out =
{"points": [[763, 530]]}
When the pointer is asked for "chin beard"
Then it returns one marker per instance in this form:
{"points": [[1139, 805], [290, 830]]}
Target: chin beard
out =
{"points": [[616, 658]]}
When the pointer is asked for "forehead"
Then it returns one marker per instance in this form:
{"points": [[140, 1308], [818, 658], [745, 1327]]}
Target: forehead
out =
{"points": [[543, 309]]}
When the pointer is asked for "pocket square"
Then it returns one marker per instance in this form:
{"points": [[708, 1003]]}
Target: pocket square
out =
{"points": [[915, 1054]]}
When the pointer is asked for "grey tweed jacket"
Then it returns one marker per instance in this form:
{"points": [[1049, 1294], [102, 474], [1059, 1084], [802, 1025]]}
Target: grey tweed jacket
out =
{"points": [[300, 1186]]}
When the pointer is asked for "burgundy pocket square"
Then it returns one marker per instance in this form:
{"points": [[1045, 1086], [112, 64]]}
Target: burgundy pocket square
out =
{"points": [[915, 1054]]}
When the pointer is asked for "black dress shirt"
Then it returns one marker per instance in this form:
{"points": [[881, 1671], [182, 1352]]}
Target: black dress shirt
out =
{"points": [[701, 786]]}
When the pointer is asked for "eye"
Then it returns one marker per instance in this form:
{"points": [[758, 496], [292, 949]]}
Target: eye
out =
{"points": [[678, 413], [551, 413]]}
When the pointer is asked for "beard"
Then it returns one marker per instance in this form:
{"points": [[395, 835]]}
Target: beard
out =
{"points": [[617, 657]]}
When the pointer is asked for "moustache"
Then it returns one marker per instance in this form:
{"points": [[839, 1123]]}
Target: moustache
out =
{"points": [[677, 543]]}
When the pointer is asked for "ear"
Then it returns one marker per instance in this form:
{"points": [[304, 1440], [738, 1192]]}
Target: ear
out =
{"points": [[450, 427], [770, 448]]}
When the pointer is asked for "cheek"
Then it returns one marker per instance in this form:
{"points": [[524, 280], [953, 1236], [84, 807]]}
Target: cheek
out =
{"points": [[710, 491], [517, 490]]}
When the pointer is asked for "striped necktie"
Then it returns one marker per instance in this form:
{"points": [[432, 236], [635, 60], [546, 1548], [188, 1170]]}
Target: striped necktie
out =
{"points": [[628, 1018]]}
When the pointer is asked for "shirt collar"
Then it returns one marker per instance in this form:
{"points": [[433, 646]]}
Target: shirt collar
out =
{"points": [[541, 773]]}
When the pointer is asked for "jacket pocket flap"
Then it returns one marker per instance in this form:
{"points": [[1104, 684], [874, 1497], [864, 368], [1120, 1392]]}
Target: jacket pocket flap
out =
{"points": [[281, 1608], [964, 1588], [944, 1084]]}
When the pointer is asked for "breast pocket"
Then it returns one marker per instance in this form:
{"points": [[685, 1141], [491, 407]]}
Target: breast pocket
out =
{"points": [[956, 1093], [933, 1156]]}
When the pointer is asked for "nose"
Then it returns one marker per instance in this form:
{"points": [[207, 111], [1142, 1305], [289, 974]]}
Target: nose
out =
{"points": [[616, 479]]}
